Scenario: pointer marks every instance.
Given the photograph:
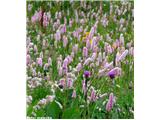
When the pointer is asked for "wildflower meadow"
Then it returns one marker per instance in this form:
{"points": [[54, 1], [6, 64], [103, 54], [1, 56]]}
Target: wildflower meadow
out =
{"points": [[80, 59]]}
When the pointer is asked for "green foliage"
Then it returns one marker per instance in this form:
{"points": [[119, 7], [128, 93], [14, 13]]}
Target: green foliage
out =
{"points": [[53, 110], [40, 92]]}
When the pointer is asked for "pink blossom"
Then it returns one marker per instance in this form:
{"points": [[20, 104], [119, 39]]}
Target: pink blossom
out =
{"points": [[45, 20], [94, 55], [65, 63], [39, 61], [109, 49], [131, 51], [102, 72], [69, 59], [69, 82], [85, 52], [92, 31], [76, 34], [110, 102], [65, 41], [36, 17], [75, 48], [93, 95], [79, 67], [123, 55], [87, 61], [63, 29], [88, 44], [58, 35], [39, 14], [84, 87], [108, 65], [95, 49], [28, 59]]}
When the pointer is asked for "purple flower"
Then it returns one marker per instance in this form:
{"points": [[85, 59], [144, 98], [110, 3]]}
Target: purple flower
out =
{"points": [[111, 74], [87, 74], [110, 102], [115, 71]]}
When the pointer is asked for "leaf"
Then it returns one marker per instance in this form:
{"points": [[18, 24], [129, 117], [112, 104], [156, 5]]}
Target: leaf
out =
{"points": [[53, 110], [71, 113], [115, 115], [29, 110], [40, 113]]}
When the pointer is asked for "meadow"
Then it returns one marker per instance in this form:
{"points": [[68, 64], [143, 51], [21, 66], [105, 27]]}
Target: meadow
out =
{"points": [[80, 59]]}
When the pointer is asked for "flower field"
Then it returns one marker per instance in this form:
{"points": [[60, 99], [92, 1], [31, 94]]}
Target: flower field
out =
{"points": [[80, 59]]}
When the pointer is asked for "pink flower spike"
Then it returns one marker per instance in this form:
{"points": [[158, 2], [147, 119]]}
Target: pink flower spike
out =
{"points": [[93, 95], [28, 59], [110, 102], [65, 41], [39, 61], [69, 82], [79, 67], [123, 55], [85, 52], [84, 87]]}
